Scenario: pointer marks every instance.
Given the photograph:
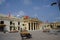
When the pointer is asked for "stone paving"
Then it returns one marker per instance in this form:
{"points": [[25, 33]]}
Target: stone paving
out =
{"points": [[10, 36], [36, 35]]}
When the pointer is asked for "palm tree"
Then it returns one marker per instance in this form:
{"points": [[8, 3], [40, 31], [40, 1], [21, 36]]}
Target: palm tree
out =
{"points": [[56, 3]]}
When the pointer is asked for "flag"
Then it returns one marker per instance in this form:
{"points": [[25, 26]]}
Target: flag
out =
{"points": [[46, 21], [26, 17], [59, 4], [53, 3], [9, 14]]}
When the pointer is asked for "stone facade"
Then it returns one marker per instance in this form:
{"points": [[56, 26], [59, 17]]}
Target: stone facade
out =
{"points": [[10, 22], [49, 26], [55, 25], [16, 24], [29, 23]]}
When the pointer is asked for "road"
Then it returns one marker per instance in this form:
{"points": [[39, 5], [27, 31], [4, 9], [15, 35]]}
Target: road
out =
{"points": [[36, 35]]}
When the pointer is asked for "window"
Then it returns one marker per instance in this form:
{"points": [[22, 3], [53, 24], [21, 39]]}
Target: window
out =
{"points": [[23, 24], [10, 28], [18, 23], [18, 28], [51, 26], [58, 26], [14, 28], [10, 22], [1, 22]]}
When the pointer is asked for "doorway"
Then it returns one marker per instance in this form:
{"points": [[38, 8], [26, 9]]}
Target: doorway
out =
{"points": [[1, 28]]}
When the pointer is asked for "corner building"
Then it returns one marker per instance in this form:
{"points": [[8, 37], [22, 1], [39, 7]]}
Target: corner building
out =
{"points": [[9, 24]]}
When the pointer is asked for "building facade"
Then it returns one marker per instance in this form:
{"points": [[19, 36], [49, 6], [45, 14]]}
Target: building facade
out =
{"points": [[11, 23], [55, 25], [50, 26], [29, 23]]}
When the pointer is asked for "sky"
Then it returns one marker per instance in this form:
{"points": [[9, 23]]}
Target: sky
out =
{"points": [[40, 9]]}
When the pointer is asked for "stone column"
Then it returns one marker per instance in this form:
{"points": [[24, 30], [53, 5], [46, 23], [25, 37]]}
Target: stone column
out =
{"points": [[30, 25], [38, 25], [33, 25]]}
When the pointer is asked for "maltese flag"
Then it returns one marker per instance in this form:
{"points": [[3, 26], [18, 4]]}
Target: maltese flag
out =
{"points": [[9, 14], [56, 3]]}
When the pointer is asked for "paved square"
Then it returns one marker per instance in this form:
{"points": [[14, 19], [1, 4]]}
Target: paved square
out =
{"points": [[36, 35]]}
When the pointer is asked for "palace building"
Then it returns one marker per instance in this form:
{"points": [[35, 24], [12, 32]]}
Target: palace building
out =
{"points": [[10, 23], [29, 23]]}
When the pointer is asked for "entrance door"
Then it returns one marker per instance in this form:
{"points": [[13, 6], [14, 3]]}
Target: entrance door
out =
{"points": [[1, 29], [58, 27], [2, 25]]}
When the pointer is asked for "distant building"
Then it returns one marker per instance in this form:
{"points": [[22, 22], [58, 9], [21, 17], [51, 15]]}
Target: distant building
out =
{"points": [[55, 25], [45, 26], [49, 26]]}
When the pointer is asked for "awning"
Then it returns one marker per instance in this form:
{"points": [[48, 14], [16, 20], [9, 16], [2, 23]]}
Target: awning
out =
{"points": [[2, 25]]}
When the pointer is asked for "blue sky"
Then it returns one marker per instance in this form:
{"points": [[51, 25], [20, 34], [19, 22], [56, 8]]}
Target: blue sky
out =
{"points": [[33, 8]]}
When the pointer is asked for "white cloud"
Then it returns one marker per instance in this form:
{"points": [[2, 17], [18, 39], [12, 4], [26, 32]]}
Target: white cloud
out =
{"points": [[36, 8], [27, 2], [20, 13], [2, 1]]}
